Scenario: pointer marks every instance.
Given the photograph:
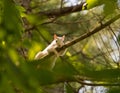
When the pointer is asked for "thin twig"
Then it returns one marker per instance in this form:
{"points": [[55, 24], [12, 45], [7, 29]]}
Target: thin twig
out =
{"points": [[102, 53], [98, 84]]}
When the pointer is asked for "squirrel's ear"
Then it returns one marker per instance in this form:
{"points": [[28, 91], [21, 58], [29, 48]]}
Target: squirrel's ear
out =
{"points": [[55, 36], [63, 37]]}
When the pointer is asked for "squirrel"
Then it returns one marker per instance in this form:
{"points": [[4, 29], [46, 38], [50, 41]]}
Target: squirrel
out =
{"points": [[56, 43]]}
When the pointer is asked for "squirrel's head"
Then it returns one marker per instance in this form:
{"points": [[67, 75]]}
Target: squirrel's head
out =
{"points": [[59, 40]]}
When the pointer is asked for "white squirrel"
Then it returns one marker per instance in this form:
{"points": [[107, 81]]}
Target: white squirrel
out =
{"points": [[56, 43]]}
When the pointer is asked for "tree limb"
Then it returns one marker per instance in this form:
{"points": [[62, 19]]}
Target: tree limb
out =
{"points": [[90, 33], [62, 11]]}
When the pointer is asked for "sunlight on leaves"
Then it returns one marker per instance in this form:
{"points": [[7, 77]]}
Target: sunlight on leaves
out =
{"points": [[14, 56], [36, 47], [68, 54]]}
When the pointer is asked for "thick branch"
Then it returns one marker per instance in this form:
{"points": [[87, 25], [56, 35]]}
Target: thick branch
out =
{"points": [[62, 11], [90, 33]]}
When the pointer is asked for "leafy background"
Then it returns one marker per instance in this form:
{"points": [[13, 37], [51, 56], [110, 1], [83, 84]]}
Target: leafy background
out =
{"points": [[91, 63]]}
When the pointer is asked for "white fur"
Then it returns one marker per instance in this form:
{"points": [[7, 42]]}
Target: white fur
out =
{"points": [[57, 42]]}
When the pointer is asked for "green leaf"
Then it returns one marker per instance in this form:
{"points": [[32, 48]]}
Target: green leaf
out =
{"points": [[64, 68], [68, 88], [11, 20], [11, 17], [111, 75], [93, 3], [5, 83], [110, 6], [114, 90], [44, 71]]}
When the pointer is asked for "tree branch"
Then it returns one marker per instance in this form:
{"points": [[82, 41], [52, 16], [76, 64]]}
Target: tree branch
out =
{"points": [[62, 11], [90, 33]]}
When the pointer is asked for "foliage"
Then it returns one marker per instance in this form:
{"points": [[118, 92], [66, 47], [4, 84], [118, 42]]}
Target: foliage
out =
{"points": [[109, 5], [27, 26]]}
